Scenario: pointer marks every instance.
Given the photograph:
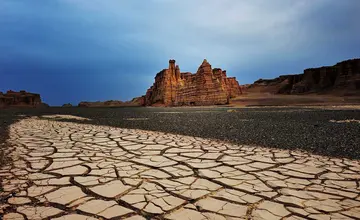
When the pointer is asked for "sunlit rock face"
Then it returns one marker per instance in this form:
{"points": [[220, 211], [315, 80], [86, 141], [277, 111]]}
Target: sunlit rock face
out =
{"points": [[206, 87]]}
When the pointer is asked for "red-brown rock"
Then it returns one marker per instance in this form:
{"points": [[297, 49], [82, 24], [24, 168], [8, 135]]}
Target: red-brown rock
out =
{"points": [[206, 87], [137, 101], [342, 78], [109, 103], [20, 99]]}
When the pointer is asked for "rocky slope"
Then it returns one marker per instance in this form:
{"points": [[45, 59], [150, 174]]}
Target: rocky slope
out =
{"points": [[110, 103], [206, 87], [138, 101], [20, 99], [340, 79]]}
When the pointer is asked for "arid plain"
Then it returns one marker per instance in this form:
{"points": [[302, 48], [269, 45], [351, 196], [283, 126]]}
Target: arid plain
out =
{"points": [[283, 148], [180, 163], [179, 110]]}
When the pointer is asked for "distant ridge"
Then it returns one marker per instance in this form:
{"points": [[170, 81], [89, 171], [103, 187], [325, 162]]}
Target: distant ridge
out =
{"points": [[341, 79]]}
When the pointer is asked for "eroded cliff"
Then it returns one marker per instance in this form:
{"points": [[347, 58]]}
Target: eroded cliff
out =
{"points": [[340, 79], [206, 87], [19, 99]]}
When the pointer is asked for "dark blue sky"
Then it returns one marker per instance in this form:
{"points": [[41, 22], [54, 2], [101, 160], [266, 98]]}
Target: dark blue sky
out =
{"points": [[74, 50]]}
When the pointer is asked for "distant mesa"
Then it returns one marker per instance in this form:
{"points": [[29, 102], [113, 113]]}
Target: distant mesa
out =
{"points": [[101, 104], [20, 99], [206, 87], [67, 105], [113, 103], [340, 79]]}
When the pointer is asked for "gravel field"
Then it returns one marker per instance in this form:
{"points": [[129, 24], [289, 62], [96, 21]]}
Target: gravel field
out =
{"points": [[326, 132]]}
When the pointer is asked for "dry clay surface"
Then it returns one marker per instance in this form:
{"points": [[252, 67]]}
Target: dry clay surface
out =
{"points": [[63, 170]]}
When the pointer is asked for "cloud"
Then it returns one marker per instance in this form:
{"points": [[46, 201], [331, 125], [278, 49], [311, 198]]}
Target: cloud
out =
{"points": [[227, 31]]}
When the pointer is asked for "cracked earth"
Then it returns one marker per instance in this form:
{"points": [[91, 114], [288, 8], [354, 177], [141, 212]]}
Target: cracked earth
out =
{"points": [[63, 170]]}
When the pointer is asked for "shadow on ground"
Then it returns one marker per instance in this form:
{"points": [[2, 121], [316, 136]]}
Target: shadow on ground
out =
{"points": [[313, 130]]}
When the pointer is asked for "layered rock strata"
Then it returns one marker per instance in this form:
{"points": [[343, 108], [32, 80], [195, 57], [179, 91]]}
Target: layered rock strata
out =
{"points": [[344, 78], [206, 87], [20, 99]]}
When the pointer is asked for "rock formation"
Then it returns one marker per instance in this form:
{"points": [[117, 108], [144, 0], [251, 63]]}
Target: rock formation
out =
{"points": [[206, 87], [342, 78], [67, 105], [137, 101], [20, 99], [110, 103]]}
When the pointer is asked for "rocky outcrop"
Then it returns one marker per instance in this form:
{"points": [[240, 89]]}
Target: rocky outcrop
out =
{"points": [[20, 99], [244, 88], [277, 85], [67, 105], [233, 87], [206, 87], [342, 78], [137, 101]]}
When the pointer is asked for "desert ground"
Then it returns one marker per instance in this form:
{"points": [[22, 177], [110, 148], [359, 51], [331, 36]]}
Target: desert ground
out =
{"points": [[180, 163], [307, 100]]}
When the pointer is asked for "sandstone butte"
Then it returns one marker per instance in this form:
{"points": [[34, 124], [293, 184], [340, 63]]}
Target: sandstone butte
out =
{"points": [[206, 87], [20, 99]]}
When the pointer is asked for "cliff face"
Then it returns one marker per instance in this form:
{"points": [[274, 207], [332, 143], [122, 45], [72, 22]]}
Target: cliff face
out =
{"points": [[342, 78], [20, 99], [206, 87]]}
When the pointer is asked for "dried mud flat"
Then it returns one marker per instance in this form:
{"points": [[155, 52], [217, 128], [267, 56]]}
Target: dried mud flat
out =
{"points": [[73, 170]]}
